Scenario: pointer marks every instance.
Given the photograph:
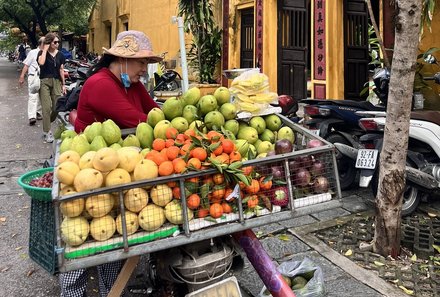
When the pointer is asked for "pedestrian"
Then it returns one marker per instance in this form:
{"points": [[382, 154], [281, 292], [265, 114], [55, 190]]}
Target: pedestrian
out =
{"points": [[31, 67], [51, 62], [113, 91]]}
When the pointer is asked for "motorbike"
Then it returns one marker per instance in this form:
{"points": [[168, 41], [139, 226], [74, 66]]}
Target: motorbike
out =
{"points": [[423, 157], [337, 122]]}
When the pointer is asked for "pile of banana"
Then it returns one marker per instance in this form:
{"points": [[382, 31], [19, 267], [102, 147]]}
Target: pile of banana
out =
{"points": [[251, 92]]}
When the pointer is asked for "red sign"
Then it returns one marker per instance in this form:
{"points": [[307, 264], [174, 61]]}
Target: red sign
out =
{"points": [[225, 45], [319, 40], [259, 34]]}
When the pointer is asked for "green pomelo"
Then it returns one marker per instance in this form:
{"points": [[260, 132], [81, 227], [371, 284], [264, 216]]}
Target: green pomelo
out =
{"points": [[172, 108], [161, 128], [80, 145], [273, 122], [286, 133], [264, 147], [144, 133], [97, 143], [242, 124], [68, 133], [180, 123], [232, 125], [131, 140], [111, 132], [229, 111], [268, 135], [192, 96], [214, 120], [155, 116], [190, 113], [248, 133], [116, 146], [258, 123], [92, 131], [222, 95], [207, 104], [257, 143]]}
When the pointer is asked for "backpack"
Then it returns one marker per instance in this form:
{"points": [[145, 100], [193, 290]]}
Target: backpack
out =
{"points": [[69, 101]]}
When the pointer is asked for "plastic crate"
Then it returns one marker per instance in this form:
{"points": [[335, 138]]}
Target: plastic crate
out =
{"points": [[41, 194], [42, 240]]}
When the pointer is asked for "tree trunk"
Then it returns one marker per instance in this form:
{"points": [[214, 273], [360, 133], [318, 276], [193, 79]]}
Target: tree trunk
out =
{"points": [[393, 155]]}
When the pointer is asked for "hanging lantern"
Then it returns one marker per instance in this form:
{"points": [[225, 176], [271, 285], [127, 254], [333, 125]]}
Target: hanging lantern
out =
{"points": [[15, 31]]}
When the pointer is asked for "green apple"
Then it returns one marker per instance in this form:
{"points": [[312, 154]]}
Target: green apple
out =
{"points": [[249, 134], [229, 111], [206, 104], [180, 123], [286, 133], [233, 126]]}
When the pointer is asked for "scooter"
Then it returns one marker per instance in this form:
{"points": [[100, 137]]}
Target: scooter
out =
{"points": [[337, 122]]}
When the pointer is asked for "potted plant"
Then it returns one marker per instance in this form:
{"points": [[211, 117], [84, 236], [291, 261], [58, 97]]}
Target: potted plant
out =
{"points": [[205, 49]]}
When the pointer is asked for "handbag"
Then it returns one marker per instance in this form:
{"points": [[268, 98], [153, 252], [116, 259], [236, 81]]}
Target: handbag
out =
{"points": [[34, 81]]}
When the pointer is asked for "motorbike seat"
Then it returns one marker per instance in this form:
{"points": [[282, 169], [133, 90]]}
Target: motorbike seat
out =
{"points": [[365, 105], [426, 115]]}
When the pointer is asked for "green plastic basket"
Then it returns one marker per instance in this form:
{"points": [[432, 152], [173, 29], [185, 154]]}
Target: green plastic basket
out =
{"points": [[41, 194]]}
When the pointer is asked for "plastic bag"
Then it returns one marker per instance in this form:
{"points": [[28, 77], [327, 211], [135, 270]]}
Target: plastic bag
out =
{"points": [[34, 81], [307, 269]]}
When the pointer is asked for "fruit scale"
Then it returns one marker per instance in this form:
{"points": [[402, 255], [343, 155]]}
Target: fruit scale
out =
{"points": [[302, 197]]}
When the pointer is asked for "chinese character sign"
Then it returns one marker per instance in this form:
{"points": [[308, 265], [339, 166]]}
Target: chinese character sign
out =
{"points": [[259, 34], [319, 39]]}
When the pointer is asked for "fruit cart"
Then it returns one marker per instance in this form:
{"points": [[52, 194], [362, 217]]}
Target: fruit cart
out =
{"points": [[303, 181]]}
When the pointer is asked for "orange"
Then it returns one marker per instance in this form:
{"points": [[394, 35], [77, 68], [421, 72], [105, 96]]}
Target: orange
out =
{"points": [[172, 184], [179, 165], [169, 142], [193, 201], [199, 153], [218, 178], [150, 155], [203, 212], [228, 146], [194, 162], [185, 149], [190, 132], [252, 201], [164, 152], [218, 151], [253, 188], [216, 210], [265, 185], [208, 180], [166, 168], [173, 152], [171, 133], [234, 157], [226, 207], [158, 144], [180, 139], [242, 185], [223, 158], [217, 194], [214, 136], [228, 192], [176, 192], [159, 158], [247, 170]]}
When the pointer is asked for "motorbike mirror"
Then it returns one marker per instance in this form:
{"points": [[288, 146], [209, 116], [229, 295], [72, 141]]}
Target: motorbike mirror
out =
{"points": [[430, 59]]}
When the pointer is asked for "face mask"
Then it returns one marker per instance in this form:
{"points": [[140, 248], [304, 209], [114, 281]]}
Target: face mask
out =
{"points": [[124, 76]]}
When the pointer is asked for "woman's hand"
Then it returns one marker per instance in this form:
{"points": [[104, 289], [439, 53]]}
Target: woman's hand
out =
{"points": [[64, 89]]}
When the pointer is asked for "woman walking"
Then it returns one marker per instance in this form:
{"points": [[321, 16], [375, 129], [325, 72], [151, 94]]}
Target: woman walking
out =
{"points": [[51, 63]]}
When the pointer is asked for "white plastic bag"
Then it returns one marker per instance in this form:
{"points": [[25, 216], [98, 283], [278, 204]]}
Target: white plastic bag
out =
{"points": [[34, 81], [306, 267]]}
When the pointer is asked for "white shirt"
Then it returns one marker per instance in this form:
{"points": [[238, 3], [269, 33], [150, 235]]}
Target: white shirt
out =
{"points": [[31, 61]]}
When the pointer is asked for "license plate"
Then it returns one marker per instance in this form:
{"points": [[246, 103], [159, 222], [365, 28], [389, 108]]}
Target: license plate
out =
{"points": [[366, 159]]}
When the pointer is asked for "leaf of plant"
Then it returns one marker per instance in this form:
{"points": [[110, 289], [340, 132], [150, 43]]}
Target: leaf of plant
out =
{"points": [[243, 178], [235, 165], [348, 253], [214, 146], [436, 247], [413, 258], [284, 237], [407, 291], [196, 141], [377, 263]]}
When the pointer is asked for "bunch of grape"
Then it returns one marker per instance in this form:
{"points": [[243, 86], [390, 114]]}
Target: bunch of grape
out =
{"points": [[44, 181]]}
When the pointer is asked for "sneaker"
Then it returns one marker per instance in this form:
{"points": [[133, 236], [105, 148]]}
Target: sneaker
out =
{"points": [[48, 137], [39, 117], [32, 121]]}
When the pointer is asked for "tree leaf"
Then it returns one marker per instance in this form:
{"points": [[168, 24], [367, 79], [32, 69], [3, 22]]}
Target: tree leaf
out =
{"points": [[284, 237], [437, 247], [414, 258], [377, 263], [348, 253], [407, 291]]}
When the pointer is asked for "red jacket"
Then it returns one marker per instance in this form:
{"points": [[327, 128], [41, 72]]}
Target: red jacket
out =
{"points": [[104, 97]]}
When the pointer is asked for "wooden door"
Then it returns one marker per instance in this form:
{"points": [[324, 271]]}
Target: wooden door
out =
{"points": [[247, 38], [356, 48], [293, 33]]}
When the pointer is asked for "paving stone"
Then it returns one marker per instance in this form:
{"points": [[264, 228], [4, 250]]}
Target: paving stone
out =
{"points": [[278, 249], [346, 286], [330, 214], [354, 203], [269, 229], [300, 221], [249, 279]]}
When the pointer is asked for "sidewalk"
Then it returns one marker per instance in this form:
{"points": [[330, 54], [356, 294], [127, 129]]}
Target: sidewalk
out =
{"points": [[23, 150]]}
